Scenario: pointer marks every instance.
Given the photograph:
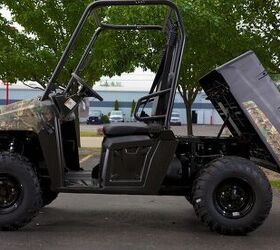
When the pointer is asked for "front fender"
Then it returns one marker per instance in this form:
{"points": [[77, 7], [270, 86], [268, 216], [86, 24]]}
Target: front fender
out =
{"points": [[27, 115]]}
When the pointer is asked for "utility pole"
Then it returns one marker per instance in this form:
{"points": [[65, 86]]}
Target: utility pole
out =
{"points": [[7, 92]]}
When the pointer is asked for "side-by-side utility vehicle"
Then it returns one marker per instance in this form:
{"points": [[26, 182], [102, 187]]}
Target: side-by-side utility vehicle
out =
{"points": [[220, 176]]}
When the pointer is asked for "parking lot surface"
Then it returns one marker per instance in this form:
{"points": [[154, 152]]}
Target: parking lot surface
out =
{"points": [[84, 221], [199, 130], [131, 222]]}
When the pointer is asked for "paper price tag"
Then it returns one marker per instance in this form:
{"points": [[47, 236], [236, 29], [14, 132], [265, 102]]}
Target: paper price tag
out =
{"points": [[70, 103]]}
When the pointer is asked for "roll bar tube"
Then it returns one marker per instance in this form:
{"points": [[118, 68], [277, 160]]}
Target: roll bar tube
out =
{"points": [[106, 3]]}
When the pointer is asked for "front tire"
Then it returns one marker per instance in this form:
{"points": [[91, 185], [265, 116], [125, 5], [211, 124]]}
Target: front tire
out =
{"points": [[20, 194], [232, 196]]}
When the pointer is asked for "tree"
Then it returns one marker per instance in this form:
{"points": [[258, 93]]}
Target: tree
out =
{"points": [[31, 49], [261, 19], [116, 105], [32, 53], [133, 106], [212, 40], [218, 30], [215, 36]]}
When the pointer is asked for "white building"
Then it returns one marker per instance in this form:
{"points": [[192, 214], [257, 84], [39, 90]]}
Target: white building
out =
{"points": [[125, 89], [206, 114]]}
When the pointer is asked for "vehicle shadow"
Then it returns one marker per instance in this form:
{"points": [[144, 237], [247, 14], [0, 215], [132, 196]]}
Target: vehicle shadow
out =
{"points": [[125, 222], [115, 219], [127, 219]]}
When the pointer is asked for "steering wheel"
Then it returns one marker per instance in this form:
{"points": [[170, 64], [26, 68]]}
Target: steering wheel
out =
{"points": [[88, 91]]}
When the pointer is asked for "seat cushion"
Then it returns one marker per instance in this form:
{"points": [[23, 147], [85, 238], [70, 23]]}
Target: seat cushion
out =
{"points": [[134, 128]]}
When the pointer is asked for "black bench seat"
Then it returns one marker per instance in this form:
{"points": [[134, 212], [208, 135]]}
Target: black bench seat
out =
{"points": [[132, 128]]}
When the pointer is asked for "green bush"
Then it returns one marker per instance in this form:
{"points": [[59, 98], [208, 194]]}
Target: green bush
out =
{"points": [[116, 105], [105, 119], [133, 106]]}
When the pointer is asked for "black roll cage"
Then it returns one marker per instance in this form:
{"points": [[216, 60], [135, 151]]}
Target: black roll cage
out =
{"points": [[177, 54]]}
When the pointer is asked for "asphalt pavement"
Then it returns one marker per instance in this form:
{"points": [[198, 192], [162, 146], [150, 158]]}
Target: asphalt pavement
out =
{"points": [[85, 221], [199, 130], [131, 222]]}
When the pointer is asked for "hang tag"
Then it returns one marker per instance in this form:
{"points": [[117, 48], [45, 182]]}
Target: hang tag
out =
{"points": [[70, 103]]}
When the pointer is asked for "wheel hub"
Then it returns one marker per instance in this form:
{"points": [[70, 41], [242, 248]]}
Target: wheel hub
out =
{"points": [[10, 194], [234, 198]]}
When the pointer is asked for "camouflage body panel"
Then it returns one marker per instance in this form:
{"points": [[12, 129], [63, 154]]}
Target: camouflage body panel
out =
{"points": [[267, 129], [27, 115]]}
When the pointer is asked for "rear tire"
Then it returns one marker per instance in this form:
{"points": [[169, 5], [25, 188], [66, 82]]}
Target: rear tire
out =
{"points": [[232, 196], [20, 194]]}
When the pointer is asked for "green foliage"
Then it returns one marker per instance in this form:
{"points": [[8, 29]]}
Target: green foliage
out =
{"points": [[116, 105], [275, 184], [218, 30], [33, 53], [262, 23], [105, 119], [275, 77], [215, 35], [133, 106]]}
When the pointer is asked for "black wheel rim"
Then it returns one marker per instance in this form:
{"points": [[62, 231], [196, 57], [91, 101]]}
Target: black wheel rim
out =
{"points": [[11, 193], [234, 198]]}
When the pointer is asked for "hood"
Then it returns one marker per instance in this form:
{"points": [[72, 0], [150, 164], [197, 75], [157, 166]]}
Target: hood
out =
{"points": [[116, 116], [26, 115]]}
